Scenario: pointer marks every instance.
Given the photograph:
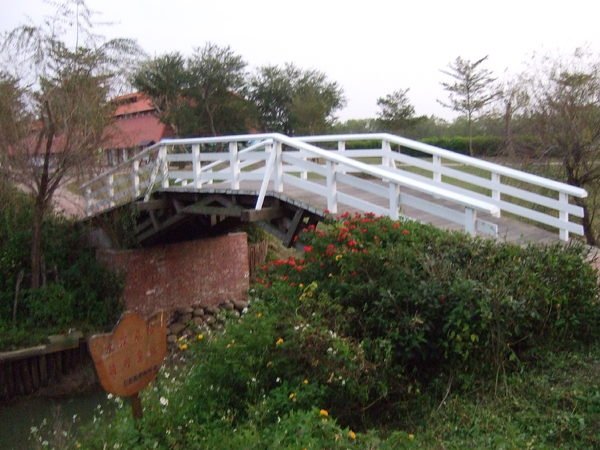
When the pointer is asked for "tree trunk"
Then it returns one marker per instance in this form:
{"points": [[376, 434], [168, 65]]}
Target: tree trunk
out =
{"points": [[211, 121], [588, 231], [508, 134], [36, 245], [470, 123]]}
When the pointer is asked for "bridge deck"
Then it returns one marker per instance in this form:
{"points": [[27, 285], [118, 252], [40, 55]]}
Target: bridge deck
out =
{"points": [[509, 229]]}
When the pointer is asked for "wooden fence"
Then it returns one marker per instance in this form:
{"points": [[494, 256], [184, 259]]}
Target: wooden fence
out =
{"points": [[257, 254], [24, 372]]}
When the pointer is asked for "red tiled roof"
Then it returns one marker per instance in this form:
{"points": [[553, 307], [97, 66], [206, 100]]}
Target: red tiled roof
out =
{"points": [[132, 104], [135, 131]]}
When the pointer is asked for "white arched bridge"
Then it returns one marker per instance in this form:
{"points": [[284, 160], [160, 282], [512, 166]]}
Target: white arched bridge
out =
{"points": [[288, 182]]}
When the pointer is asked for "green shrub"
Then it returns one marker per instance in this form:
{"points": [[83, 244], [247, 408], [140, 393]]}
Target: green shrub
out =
{"points": [[482, 145], [374, 325], [78, 292]]}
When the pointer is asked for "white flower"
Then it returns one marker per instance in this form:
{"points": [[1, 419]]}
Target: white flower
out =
{"points": [[109, 396], [164, 401], [278, 380]]}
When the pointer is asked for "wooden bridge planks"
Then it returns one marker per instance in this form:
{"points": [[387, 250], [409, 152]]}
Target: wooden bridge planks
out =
{"points": [[509, 229]]}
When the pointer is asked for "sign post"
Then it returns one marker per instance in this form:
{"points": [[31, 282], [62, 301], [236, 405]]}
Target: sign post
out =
{"points": [[129, 358]]}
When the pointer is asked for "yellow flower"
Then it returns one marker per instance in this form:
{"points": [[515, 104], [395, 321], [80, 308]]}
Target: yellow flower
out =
{"points": [[183, 347], [292, 396], [200, 337], [338, 257], [323, 413], [305, 381], [259, 315], [411, 436], [351, 434], [279, 341]]}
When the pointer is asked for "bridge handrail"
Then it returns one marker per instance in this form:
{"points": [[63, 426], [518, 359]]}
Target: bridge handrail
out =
{"points": [[299, 144], [337, 167], [457, 157], [365, 168]]}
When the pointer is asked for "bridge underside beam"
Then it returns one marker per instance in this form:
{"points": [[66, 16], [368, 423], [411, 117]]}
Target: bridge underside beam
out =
{"points": [[172, 215]]}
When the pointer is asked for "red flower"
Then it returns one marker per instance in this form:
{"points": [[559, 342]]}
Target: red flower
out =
{"points": [[308, 248], [405, 232], [330, 250], [352, 243], [396, 225]]}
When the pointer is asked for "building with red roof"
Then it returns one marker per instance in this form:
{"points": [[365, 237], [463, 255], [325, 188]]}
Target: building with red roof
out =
{"points": [[135, 127]]}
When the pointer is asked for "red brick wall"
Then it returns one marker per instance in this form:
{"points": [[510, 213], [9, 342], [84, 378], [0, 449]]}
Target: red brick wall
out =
{"points": [[207, 271]]}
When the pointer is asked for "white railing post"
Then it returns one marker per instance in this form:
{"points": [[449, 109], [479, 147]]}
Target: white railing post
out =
{"points": [[196, 166], [495, 186], [341, 151], [331, 187], [163, 165], [387, 149], [278, 169], [437, 168], [470, 221], [563, 215], [394, 200], [269, 166], [135, 178], [234, 163], [110, 180]]}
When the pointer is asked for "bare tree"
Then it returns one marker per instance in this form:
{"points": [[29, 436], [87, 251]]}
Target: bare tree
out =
{"points": [[54, 113], [470, 91], [564, 113], [512, 101]]}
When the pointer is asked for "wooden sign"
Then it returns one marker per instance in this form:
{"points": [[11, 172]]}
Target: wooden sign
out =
{"points": [[129, 358]]}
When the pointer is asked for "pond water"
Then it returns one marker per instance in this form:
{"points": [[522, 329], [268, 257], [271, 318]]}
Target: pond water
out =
{"points": [[17, 418]]}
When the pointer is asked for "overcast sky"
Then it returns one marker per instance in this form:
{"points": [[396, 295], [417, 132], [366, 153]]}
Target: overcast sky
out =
{"points": [[370, 47]]}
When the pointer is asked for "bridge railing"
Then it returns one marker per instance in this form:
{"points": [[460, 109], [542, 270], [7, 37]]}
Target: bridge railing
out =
{"points": [[376, 180], [534, 198]]}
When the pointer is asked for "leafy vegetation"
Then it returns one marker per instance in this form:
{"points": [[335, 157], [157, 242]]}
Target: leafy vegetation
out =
{"points": [[389, 335], [75, 292]]}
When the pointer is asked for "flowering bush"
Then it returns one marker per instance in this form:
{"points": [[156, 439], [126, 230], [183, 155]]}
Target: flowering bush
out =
{"points": [[351, 334]]}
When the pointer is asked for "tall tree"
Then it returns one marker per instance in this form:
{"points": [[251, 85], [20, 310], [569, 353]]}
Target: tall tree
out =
{"points": [[564, 112], [396, 113], [272, 92], [200, 95], [294, 101], [217, 79], [470, 90], [513, 98], [166, 80], [53, 114]]}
